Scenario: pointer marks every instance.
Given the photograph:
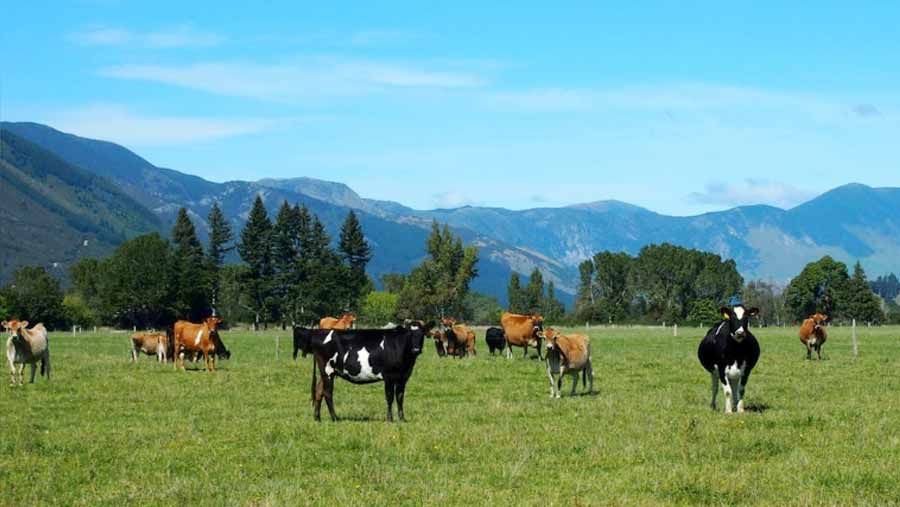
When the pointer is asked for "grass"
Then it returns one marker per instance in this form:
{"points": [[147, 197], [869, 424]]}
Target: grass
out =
{"points": [[480, 431]]}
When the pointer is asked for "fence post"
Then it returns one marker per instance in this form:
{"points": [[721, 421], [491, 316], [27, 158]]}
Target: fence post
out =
{"points": [[855, 347], [675, 330], [277, 346]]}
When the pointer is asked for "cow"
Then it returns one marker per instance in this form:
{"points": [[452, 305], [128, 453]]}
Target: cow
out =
{"points": [[813, 334], [345, 322], [204, 338], [362, 357], [26, 346], [439, 342], [152, 344], [459, 339], [495, 339], [729, 352], [522, 331], [568, 355]]}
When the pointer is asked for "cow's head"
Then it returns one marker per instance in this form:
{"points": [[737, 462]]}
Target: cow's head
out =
{"points": [[448, 322], [212, 323], [819, 320], [349, 318], [537, 332], [15, 327], [737, 320], [418, 336]]}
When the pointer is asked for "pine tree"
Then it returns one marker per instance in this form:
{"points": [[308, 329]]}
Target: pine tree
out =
{"points": [[255, 250], [220, 237], [534, 292], [356, 253], [553, 310], [863, 304], [191, 275], [285, 255], [514, 294]]}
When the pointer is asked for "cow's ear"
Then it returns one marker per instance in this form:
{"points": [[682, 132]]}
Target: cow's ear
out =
{"points": [[4, 324], [23, 324], [726, 312], [753, 312]]}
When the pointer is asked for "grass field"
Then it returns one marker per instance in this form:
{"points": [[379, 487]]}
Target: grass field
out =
{"points": [[480, 431]]}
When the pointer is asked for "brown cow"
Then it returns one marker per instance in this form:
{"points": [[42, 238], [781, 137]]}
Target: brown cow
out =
{"points": [[459, 339], [813, 334], [203, 338], [522, 331], [345, 322], [26, 346], [568, 355], [152, 344]]}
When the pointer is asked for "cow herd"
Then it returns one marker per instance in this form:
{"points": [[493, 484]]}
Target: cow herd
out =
{"points": [[729, 351]]}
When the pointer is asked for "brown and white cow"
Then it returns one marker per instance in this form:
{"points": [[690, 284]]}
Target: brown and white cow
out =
{"points": [[190, 338], [522, 331], [152, 344], [26, 346], [568, 355], [345, 322], [458, 338], [813, 334]]}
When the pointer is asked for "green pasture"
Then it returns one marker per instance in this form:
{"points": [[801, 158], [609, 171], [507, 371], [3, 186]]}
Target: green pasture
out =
{"points": [[480, 431]]}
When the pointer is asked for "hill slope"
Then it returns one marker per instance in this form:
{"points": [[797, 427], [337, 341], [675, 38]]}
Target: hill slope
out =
{"points": [[53, 212]]}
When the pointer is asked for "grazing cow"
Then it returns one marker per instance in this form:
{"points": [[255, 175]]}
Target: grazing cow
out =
{"points": [[152, 344], [439, 342], [26, 346], [568, 355], [522, 331], [345, 322], [813, 334], [459, 339], [729, 352], [495, 339], [203, 338], [362, 357]]}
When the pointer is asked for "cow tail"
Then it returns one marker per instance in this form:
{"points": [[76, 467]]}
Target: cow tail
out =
{"points": [[313, 388]]}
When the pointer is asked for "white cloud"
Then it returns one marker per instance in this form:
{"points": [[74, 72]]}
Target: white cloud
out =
{"points": [[119, 124], [175, 37], [307, 78], [752, 191], [452, 199]]}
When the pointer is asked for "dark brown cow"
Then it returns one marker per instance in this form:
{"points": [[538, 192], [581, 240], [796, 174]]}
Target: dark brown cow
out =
{"points": [[458, 338], [345, 322], [203, 338], [813, 334], [522, 331]]}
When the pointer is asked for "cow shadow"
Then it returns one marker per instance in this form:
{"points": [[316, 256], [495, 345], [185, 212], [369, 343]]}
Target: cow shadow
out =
{"points": [[357, 418], [757, 408]]}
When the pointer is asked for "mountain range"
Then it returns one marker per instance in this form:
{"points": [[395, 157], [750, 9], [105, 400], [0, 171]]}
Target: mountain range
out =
{"points": [[851, 222]]}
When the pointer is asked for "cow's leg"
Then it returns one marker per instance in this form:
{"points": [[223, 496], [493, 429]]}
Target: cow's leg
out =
{"points": [[319, 394], [508, 351], [10, 358], [33, 366], [574, 383], [45, 364], [819, 351], [808, 352], [715, 385], [21, 374], [733, 374], [744, 378], [525, 351], [400, 393], [134, 353], [552, 382], [329, 396], [389, 399], [590, 372]]}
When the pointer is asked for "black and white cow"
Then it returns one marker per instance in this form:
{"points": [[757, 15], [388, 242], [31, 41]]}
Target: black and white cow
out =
{"points": [[362, 356], [495, 339], [729, 352]]}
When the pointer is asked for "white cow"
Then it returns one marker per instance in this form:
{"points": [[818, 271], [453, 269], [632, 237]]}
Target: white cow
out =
{"points": [[26, 346]]}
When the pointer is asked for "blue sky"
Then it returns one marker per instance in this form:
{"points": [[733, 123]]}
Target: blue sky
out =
{"points": [[681, 107]]}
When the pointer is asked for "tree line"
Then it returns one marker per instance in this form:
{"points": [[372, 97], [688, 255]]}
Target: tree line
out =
{"points": [[533, 298]]}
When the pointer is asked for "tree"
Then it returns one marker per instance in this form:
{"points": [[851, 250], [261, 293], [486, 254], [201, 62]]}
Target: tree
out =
{"points": [[78, 312], [136, 287], [285, 249], [769, 299], [704, 312], [357, 253], [35, 296], [85, 275], [886, 286], [482, 309], [584, 299], [533, 297], [393, 282], [862, 304], [552, 309], [611, 280], [255, 250], [514, 294], [821, 287], [379, 308], [220, 238], [190, 274], [438, 286]]}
